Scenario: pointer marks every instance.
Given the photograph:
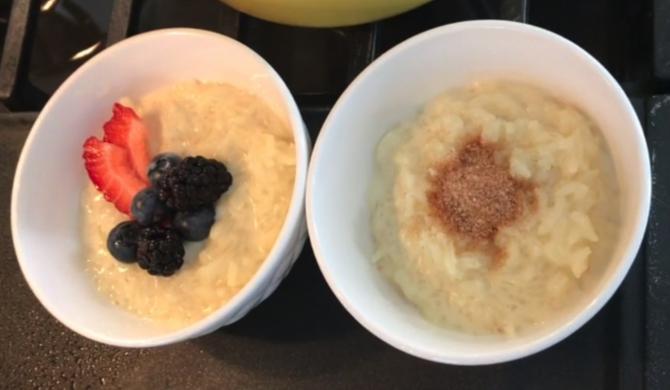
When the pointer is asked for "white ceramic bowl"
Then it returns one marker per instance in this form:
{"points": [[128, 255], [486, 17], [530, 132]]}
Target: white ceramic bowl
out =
{"points": [[391, 90], [50, 177]]}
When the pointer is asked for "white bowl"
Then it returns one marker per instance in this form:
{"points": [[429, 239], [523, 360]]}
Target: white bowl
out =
{"points": [[50, 177], [391, 90]]}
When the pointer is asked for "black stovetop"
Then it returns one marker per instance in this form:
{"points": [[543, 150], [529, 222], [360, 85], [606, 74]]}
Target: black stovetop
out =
{"points": [[301, 337]]}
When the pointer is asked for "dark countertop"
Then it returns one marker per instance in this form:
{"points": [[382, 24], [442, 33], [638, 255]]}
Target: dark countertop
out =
{"points": [[301, 337]]}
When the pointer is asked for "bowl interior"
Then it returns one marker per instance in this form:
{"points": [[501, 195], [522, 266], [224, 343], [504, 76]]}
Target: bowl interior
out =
{"points": [[51, 175], [392, 90]]}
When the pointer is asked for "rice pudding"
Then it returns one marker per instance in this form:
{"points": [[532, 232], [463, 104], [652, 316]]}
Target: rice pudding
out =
{"points": [[218, 121], [495, 210]]}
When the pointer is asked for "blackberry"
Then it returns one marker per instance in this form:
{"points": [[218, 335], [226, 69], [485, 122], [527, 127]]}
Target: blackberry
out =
{"points": [[160, 164], [194, 183], [160, 250]]}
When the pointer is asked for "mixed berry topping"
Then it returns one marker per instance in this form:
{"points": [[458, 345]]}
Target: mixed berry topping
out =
{"points": [[169, 199]]}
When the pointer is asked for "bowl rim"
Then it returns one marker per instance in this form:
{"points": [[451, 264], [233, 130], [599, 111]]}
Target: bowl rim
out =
{"points": [[553, 334], [293, 219]]}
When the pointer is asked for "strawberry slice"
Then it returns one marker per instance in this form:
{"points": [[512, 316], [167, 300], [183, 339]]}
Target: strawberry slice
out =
{"points": [[112, 173], [126, 130]]}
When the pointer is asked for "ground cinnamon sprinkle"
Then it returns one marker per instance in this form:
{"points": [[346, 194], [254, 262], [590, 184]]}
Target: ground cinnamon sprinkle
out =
{"points": [[474, 196]]}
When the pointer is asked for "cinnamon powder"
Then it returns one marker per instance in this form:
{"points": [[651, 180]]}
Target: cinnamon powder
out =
{"points": [[474, 195]]}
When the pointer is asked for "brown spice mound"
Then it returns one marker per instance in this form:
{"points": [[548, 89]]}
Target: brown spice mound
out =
{"points": [[473, 195]]}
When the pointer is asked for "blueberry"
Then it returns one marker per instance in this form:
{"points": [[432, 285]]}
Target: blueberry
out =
{"points": [[194, 225], [147, 208], [160, 165], [122, 241]]}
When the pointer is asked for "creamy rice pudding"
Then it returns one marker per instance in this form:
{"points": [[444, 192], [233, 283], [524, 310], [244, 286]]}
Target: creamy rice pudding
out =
{"points": [[222, 122], [495, 209]]}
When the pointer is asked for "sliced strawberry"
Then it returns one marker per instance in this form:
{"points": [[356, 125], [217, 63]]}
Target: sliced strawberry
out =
{"points": [[126, 130], [111, 172]]}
